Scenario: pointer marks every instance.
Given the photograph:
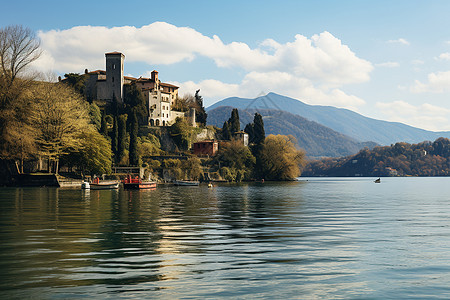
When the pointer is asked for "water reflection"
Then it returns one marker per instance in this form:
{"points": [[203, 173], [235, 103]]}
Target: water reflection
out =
{"points": [[336, 238]]}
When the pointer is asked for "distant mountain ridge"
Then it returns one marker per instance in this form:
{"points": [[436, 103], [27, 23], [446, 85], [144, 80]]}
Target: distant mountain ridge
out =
{"points": [[344, 121], [317, 140]]}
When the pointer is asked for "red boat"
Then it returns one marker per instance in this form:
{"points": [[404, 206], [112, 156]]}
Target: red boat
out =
{"points": [[137, 183]]}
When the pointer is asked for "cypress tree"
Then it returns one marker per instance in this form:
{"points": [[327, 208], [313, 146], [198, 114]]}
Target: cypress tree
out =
{"points": [[122, 137], [200, 113], [259, 137], [104, 126], [258, 129], [133, 153], [115, 137], [226, 133], [234, 122], [250, 131]]}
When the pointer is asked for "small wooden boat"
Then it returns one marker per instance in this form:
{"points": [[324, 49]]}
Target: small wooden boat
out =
{"points": [[378, 180], [104, 185], [186, 183], [138, 184]]}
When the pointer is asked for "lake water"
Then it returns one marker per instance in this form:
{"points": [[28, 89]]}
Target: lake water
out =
{"points": [[319, 238]]}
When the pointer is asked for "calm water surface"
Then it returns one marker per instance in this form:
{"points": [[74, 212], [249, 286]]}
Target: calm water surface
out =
{"points": [[312, 239]]}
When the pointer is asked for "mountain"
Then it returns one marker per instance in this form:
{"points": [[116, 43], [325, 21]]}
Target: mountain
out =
{"points": [[341, 120], [317, 140]]}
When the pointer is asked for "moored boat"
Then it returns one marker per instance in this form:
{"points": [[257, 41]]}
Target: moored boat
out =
{"points": [[137, 183], [186, 183], [104, 185]]}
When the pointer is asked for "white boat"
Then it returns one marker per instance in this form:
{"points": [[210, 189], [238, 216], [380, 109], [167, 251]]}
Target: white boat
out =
{"points": [[110, 185], [97, 185], [186, 183]]}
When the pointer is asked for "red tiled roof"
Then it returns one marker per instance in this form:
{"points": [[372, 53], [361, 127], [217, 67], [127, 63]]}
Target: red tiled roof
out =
{"points": [[169, 85], [98, 72]]}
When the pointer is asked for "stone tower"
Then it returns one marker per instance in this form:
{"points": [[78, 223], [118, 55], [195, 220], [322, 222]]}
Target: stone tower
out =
{"points": [[114, 75]]}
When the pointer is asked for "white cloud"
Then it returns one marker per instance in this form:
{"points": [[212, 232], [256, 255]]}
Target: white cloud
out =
{"points": [[400, 41], [389, 64], [257, 83], [426, 116], [437, 83], [312, 69], [443, 56]]}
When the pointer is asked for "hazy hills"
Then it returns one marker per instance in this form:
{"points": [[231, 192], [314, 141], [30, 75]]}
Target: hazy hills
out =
{"points": [[316, 139], [343, 121]]}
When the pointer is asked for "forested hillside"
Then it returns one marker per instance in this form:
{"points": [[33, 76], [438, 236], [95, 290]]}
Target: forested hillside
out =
{"points": [[401, 159], [317, 140]]}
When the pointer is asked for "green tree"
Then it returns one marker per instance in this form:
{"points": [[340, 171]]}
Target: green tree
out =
{"points": [[149, 145], [258, 129], [192, 168], [255, 130], [95, 115], [122, 138], [250, 131], [174, 168], [226, 132], [135, 103], [104, 126], [280, 159], [94, 156], [200, 113], [76, 81], [181, 133], [238, 159], [234, 122], [59, 114], [134, 151], [115, 137]]}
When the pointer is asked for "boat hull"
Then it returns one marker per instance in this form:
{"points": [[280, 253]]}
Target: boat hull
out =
{"points": [[104, 186]]}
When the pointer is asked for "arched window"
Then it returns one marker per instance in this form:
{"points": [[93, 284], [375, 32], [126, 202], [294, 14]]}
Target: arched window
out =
{"points": [[164, 123], [152, 122], [157, 122]]}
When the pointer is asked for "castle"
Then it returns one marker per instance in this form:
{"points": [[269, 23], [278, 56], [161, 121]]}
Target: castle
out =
{"points": [[109, 85]]}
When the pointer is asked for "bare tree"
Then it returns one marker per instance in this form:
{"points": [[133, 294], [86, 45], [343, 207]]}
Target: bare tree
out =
{"points": [[19, 47]]}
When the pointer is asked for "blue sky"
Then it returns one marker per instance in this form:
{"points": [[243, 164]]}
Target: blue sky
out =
{"points": [[388, 60]]}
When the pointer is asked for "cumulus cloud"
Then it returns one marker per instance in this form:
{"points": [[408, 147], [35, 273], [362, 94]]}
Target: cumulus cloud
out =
{"points": [[426, 116], [436, 83], [312, 68], [400, 41], [256, 83]]}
